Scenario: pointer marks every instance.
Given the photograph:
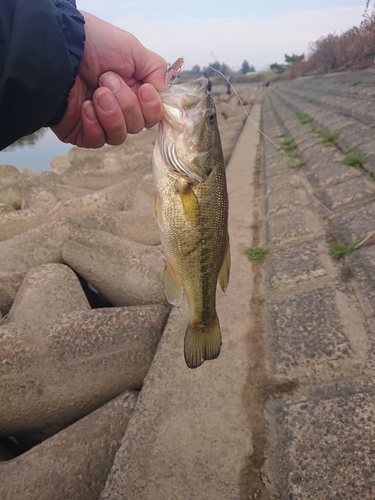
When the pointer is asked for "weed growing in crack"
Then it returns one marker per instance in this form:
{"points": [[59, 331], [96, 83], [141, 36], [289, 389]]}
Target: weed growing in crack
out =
{"points": [[289, 147], [328, 138], [257, 253], [298, 165], [354, 160], [288, 142], [342, 249], [303, 118], [292, 153]]}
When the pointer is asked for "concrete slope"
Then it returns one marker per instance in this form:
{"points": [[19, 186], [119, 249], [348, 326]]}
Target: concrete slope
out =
{"points": [[319, 310]]}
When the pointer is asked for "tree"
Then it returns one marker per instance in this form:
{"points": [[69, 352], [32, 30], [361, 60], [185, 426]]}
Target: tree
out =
{"points": [[246, 68], [223, 68], [294, 58], [278, 68]]}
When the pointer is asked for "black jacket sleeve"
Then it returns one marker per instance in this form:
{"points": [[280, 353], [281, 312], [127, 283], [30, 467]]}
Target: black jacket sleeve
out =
{"points": [[41, 46]]}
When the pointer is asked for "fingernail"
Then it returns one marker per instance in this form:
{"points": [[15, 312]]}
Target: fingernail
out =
{"points": [[106, 101], [148, 94], [89, 111], [110, 80]]}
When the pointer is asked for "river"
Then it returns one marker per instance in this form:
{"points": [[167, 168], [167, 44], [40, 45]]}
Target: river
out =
{"points": [[34, 151]]}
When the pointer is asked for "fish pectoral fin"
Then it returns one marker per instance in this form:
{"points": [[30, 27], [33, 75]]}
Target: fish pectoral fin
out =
{"points": [[190, 205], [158, 210], [202, 344], [225, 270], [173, 289]]}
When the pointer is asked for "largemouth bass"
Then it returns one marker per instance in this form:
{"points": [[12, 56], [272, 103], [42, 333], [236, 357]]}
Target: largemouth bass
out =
{"points": [[191, 207]]}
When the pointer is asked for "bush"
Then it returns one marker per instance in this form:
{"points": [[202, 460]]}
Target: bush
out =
{"points": [[355, 48]]}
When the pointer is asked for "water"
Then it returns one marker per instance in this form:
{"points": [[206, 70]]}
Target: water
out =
{"points": [[34, 151]]}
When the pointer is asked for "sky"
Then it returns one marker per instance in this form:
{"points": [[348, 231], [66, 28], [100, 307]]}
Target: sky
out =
{"points": [[230, 31]]}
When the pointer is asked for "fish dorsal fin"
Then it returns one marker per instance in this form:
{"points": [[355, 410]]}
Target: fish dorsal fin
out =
{"points": [[190, 205], [173, 290], [225, 269]]}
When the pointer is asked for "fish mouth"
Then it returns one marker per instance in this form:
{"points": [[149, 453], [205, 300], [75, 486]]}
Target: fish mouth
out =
{"points": [[196, 88]]}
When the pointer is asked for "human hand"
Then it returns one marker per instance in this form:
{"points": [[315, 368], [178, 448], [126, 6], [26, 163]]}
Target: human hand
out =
{"points": [[115, 90]]}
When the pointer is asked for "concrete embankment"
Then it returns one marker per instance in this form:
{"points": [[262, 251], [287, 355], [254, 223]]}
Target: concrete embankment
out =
{"points": [[319, 310]]}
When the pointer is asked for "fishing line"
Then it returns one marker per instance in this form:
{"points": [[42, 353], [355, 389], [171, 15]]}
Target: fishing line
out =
{"points": [[361, 243], [272, 142]]}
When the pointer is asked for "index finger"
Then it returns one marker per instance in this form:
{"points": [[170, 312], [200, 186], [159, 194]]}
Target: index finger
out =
{"points": [[152, 70], [151, 104]]}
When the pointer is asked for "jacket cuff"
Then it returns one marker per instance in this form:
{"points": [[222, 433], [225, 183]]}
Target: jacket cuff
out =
{"points": [[72, 27]]}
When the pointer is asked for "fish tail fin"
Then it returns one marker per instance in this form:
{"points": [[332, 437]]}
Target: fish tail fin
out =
{"points": [[202, 344]]}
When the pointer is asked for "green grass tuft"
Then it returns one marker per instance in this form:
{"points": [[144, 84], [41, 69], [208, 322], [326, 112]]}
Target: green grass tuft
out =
{"points": [[257, 253], [298, 165], [288, 142], [355, 83], [354, 160], [329, 139], [342, 249], [292, 153], [303, 118], [289, 147]]}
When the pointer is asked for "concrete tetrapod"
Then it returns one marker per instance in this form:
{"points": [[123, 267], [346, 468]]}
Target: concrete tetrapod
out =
{"points": [[72, 464], [21, 253], [123, 271], [61, 360], [128, 224], [76, 209]]}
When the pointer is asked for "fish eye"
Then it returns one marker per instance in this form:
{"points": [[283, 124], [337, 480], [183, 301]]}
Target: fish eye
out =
{"points": [[211, 117]]}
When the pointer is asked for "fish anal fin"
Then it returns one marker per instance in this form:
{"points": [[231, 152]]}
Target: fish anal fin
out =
{"points": [[190, 205], [225, 270], [202, 344], [173, 289]]}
